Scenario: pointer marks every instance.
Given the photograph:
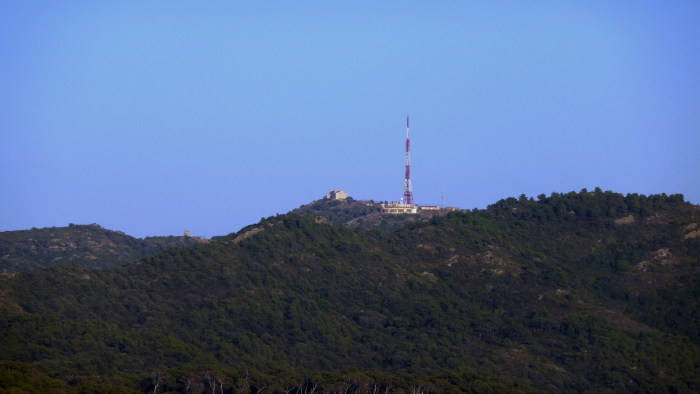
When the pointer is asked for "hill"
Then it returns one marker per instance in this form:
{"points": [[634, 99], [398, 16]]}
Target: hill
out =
{"points": [[89, 246], [338, 211], [577, 292], [361, 213]]}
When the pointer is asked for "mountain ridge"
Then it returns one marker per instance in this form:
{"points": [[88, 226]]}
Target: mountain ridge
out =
{"points": [[88, 245]]}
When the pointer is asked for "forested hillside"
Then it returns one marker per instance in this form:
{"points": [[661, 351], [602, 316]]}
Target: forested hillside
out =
{"points": [[359, 213], [86, 245], [338, 211], [577, 292]]}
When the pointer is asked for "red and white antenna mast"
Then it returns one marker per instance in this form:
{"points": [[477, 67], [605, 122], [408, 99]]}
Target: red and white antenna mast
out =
{"points": [[407, 189]]}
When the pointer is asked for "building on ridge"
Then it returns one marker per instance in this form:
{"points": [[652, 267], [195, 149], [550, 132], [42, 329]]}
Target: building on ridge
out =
{"points": [[336, 195], [398, 208]]}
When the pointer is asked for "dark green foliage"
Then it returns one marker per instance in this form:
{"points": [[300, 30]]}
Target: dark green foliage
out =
{"points": [[589, 291], [363, 214], [338, 211], [85, 245], [25, 378]]}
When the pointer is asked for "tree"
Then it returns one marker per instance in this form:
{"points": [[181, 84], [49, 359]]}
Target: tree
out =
{"points": [[157, 376]]}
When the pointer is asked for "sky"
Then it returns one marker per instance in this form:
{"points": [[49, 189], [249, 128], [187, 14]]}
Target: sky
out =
{"points": [[154, 117]]}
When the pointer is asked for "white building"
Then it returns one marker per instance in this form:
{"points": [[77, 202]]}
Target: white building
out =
{"points": [[398, 208], [336, 195]]}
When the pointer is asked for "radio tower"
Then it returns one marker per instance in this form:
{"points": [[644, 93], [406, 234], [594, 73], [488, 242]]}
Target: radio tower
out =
{"points": [[407, 189]]}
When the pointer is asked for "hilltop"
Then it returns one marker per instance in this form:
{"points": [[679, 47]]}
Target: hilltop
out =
{"points": [[89, 246], [92, 246], [576, 292], [361, 213]]}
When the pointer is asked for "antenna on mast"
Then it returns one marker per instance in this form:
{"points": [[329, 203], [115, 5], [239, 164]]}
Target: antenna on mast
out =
{"points": [[407, 188]]}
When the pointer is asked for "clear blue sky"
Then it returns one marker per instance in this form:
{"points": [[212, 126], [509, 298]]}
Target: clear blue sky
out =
{"points": [[155, 117]]}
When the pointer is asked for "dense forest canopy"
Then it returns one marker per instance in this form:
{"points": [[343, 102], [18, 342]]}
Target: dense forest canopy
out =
{"points": [[86, 245], [589, 291]]}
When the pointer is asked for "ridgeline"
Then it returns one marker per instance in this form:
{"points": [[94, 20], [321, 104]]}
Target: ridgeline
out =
{"points": [[90, 246]]}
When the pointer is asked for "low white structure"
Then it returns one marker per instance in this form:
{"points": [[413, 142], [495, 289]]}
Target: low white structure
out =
{"points": [[398, 208]]}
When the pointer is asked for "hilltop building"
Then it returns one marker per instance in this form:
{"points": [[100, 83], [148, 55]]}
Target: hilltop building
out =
{"points": [[398, 208], [336, 195]]}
